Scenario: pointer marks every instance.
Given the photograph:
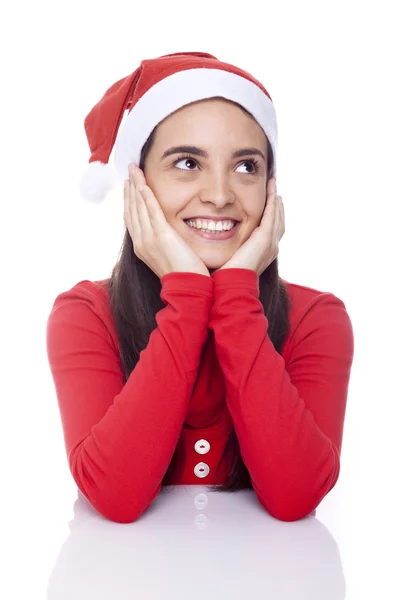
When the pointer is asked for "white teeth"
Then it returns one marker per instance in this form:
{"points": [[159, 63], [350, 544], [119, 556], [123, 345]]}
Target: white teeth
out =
{"points": [[211, 226]]}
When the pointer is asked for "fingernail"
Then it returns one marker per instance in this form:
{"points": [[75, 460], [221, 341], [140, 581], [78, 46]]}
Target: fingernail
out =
{"points": [[132, 167]]}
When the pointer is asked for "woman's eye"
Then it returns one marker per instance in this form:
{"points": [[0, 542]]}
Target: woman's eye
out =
{"points": [[187, 160], [253, 166]]}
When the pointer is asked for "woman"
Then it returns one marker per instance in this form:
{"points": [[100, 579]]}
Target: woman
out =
{"points": [[195, 362]]}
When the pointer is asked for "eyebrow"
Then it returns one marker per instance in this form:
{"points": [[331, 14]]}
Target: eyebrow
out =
{"points": [[199, 152]]}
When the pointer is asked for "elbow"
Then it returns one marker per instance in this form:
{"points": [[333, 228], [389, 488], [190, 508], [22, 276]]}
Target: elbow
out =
{"points": [[117, 512], [292, 513], [293, 503], [111, 509], [290, 507], [297, 508], [127, 512], [118, 516], [114, 499], [285, 510]]}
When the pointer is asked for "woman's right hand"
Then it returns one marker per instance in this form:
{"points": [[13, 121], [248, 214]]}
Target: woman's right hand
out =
{"points": [[155, 242]]}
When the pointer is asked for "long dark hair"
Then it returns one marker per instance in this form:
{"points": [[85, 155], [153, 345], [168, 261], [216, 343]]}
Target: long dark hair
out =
{"points": [[134, 291]]}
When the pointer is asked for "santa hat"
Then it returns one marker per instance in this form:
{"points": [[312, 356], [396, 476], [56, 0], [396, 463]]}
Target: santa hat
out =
{"points": [[156, 89]]}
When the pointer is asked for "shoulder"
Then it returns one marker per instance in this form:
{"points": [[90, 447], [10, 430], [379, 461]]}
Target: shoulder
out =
{"points": [[93, 292], [87, 304], [315, 312], [303, 298]]}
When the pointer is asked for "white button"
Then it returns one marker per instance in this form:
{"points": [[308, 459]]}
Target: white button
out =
{"points": [[201, 501], [202, 447], [201, 522], [201, 469]]}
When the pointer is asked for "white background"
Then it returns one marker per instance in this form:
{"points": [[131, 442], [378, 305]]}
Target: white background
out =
{"points": [[332, 71]]}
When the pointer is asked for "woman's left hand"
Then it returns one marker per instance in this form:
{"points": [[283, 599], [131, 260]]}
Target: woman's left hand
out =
{"points": [[262, 247]]}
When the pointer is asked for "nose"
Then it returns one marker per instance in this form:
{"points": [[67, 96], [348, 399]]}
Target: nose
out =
{"points": [[217, 189]]}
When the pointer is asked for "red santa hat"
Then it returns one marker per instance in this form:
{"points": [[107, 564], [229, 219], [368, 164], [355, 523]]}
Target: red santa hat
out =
{"points": [[157, 88]]}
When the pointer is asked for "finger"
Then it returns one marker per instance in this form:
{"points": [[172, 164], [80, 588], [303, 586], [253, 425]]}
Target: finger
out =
{"points": [[138, 204], [154, 216], [130, 220], [138, 176], [137, 207], [282, 222], [268, 221], [279, 219], [136, 211], [141, 210], [271, 194], [278, 216], [271, 187]]}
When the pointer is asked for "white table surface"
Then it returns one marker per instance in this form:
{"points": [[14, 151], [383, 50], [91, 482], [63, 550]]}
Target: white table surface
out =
{"points": [[55, 546], [193, 543]]}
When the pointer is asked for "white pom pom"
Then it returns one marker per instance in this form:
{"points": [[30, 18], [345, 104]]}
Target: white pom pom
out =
{"points": [[97, 181]]}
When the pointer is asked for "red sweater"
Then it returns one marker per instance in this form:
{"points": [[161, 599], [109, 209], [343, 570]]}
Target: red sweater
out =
{"points": [[209, 363]]}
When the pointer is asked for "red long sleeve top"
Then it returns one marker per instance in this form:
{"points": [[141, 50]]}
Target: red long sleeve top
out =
{"points": [[208, 364]]}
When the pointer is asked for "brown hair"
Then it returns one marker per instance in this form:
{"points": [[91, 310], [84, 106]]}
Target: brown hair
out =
{"points": [[134, 291]]}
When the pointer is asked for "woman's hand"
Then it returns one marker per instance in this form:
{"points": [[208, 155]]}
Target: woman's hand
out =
{"points": [[155, 242], [262, 247]]}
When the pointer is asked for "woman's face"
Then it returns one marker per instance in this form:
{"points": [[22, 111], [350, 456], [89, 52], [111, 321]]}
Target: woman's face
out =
{"points": [[216, 184]]}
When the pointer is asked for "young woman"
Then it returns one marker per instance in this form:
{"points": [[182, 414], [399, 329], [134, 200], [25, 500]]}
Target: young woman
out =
{"points": [[195, 362]]}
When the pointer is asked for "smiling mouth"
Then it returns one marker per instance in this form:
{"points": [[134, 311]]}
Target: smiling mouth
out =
{"points": [[224, 234]]}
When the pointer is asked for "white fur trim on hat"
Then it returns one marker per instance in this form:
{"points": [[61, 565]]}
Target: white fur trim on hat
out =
{"points": [[97, 181], [182, 88]]}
